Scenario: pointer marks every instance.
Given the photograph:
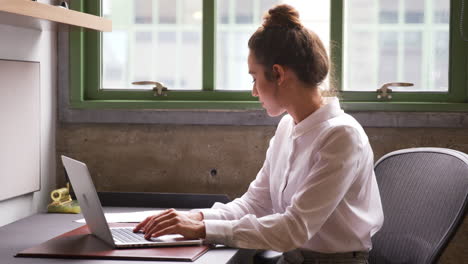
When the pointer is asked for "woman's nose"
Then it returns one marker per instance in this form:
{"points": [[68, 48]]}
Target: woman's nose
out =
{"points": [[254, 91]]}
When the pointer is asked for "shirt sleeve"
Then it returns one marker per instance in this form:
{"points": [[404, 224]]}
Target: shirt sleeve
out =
{"points": [[255, 201], [333, 171]]}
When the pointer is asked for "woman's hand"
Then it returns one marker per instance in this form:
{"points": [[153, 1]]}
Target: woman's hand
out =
{"points": [[188, 224]]}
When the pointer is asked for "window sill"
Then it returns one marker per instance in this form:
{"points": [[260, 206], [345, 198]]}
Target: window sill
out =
{"points": [[255, 105], [404, 107], [167, 105], [403, 115]]}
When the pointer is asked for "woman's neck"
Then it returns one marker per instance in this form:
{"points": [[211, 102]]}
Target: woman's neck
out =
{"points": [[303, 102]]}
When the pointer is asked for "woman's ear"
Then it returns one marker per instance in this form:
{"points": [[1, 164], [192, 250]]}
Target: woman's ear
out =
{"points": [[278, 74]]}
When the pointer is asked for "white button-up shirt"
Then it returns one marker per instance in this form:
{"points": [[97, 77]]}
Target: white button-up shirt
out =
{"points": [[316, 190]]}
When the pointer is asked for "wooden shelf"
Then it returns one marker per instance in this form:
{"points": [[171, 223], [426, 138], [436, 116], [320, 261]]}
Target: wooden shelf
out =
{"points": [[56, 14]]}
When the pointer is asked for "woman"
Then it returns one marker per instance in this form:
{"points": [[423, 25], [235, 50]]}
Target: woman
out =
{"points": [[316, 197]]}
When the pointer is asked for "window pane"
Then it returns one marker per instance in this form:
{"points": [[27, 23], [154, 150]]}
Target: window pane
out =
{"points": [[362, 12], [223, 7], [167, 11], [388, 11], [441, 63], [441, 12], [115, 58], [143, 50], [244, 11], [363, 59], [238, 21], [232, 47], [143, 11], [414, 11], [145, 47], [388, 55], [191, 44], [166, 63], [413, 59], [191, 12], [396, 41]]}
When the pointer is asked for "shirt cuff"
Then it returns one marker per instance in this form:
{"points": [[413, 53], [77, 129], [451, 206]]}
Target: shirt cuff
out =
{"points": [[218, 232], [208, 214]]}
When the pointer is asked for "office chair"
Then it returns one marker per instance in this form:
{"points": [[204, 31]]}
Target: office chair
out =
{"points": [[424, 194]]}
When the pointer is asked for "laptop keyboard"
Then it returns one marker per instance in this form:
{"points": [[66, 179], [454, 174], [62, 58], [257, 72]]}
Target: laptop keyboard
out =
{"points": [[126, 235]]}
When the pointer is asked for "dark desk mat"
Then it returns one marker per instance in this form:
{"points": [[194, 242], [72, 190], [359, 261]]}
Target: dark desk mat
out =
{"points": [[79, 243]]}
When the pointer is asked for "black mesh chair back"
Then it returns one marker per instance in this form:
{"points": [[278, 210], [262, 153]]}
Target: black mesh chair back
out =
{"points": [[424, 195]]}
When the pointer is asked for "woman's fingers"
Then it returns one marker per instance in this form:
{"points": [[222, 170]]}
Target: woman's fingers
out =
{"points": [[172, 229], [156, 220], [150, 220], [142, 224], [172, 222]]}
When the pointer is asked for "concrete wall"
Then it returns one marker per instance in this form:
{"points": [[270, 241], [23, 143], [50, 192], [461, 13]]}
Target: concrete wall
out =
{"points": [[172, 158], [18, 42]]}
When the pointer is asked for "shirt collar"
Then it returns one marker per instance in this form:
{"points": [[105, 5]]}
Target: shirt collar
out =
{"points": [[330, 110]]}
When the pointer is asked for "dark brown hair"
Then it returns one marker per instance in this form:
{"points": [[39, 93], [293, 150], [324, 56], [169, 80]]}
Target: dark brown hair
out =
{"points": [[283, 40]]}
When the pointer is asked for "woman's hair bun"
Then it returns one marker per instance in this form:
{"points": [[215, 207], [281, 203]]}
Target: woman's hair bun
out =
{"points": [[282, 15]]}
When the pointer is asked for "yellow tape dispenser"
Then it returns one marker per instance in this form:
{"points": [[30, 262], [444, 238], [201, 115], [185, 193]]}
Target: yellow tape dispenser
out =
{"points": [[62, 202]]}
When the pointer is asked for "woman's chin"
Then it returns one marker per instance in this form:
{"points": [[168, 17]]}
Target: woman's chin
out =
{"points": [[274, 112]]}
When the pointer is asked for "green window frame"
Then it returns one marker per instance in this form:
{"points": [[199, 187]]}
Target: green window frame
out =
{"points": [[85, 79], [455, 100], [85, 48]]}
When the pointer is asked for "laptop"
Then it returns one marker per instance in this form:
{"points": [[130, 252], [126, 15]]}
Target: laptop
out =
{"points": [[117, 237]]}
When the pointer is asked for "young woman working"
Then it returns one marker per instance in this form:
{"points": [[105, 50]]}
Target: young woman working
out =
{"points": [[316, 197]]}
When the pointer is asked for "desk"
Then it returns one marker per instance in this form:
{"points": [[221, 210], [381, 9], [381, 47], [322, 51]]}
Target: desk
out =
{"points": [[39, 228]]}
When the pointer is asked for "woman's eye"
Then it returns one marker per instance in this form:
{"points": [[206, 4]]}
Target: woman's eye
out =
{"points": [[253, 80]]}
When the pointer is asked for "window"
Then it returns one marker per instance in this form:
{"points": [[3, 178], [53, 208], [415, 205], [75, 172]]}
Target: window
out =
{"points": [[198, 49], [415, 41], [161, 40], [152, 40], [400, 41], [237, 20]]}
